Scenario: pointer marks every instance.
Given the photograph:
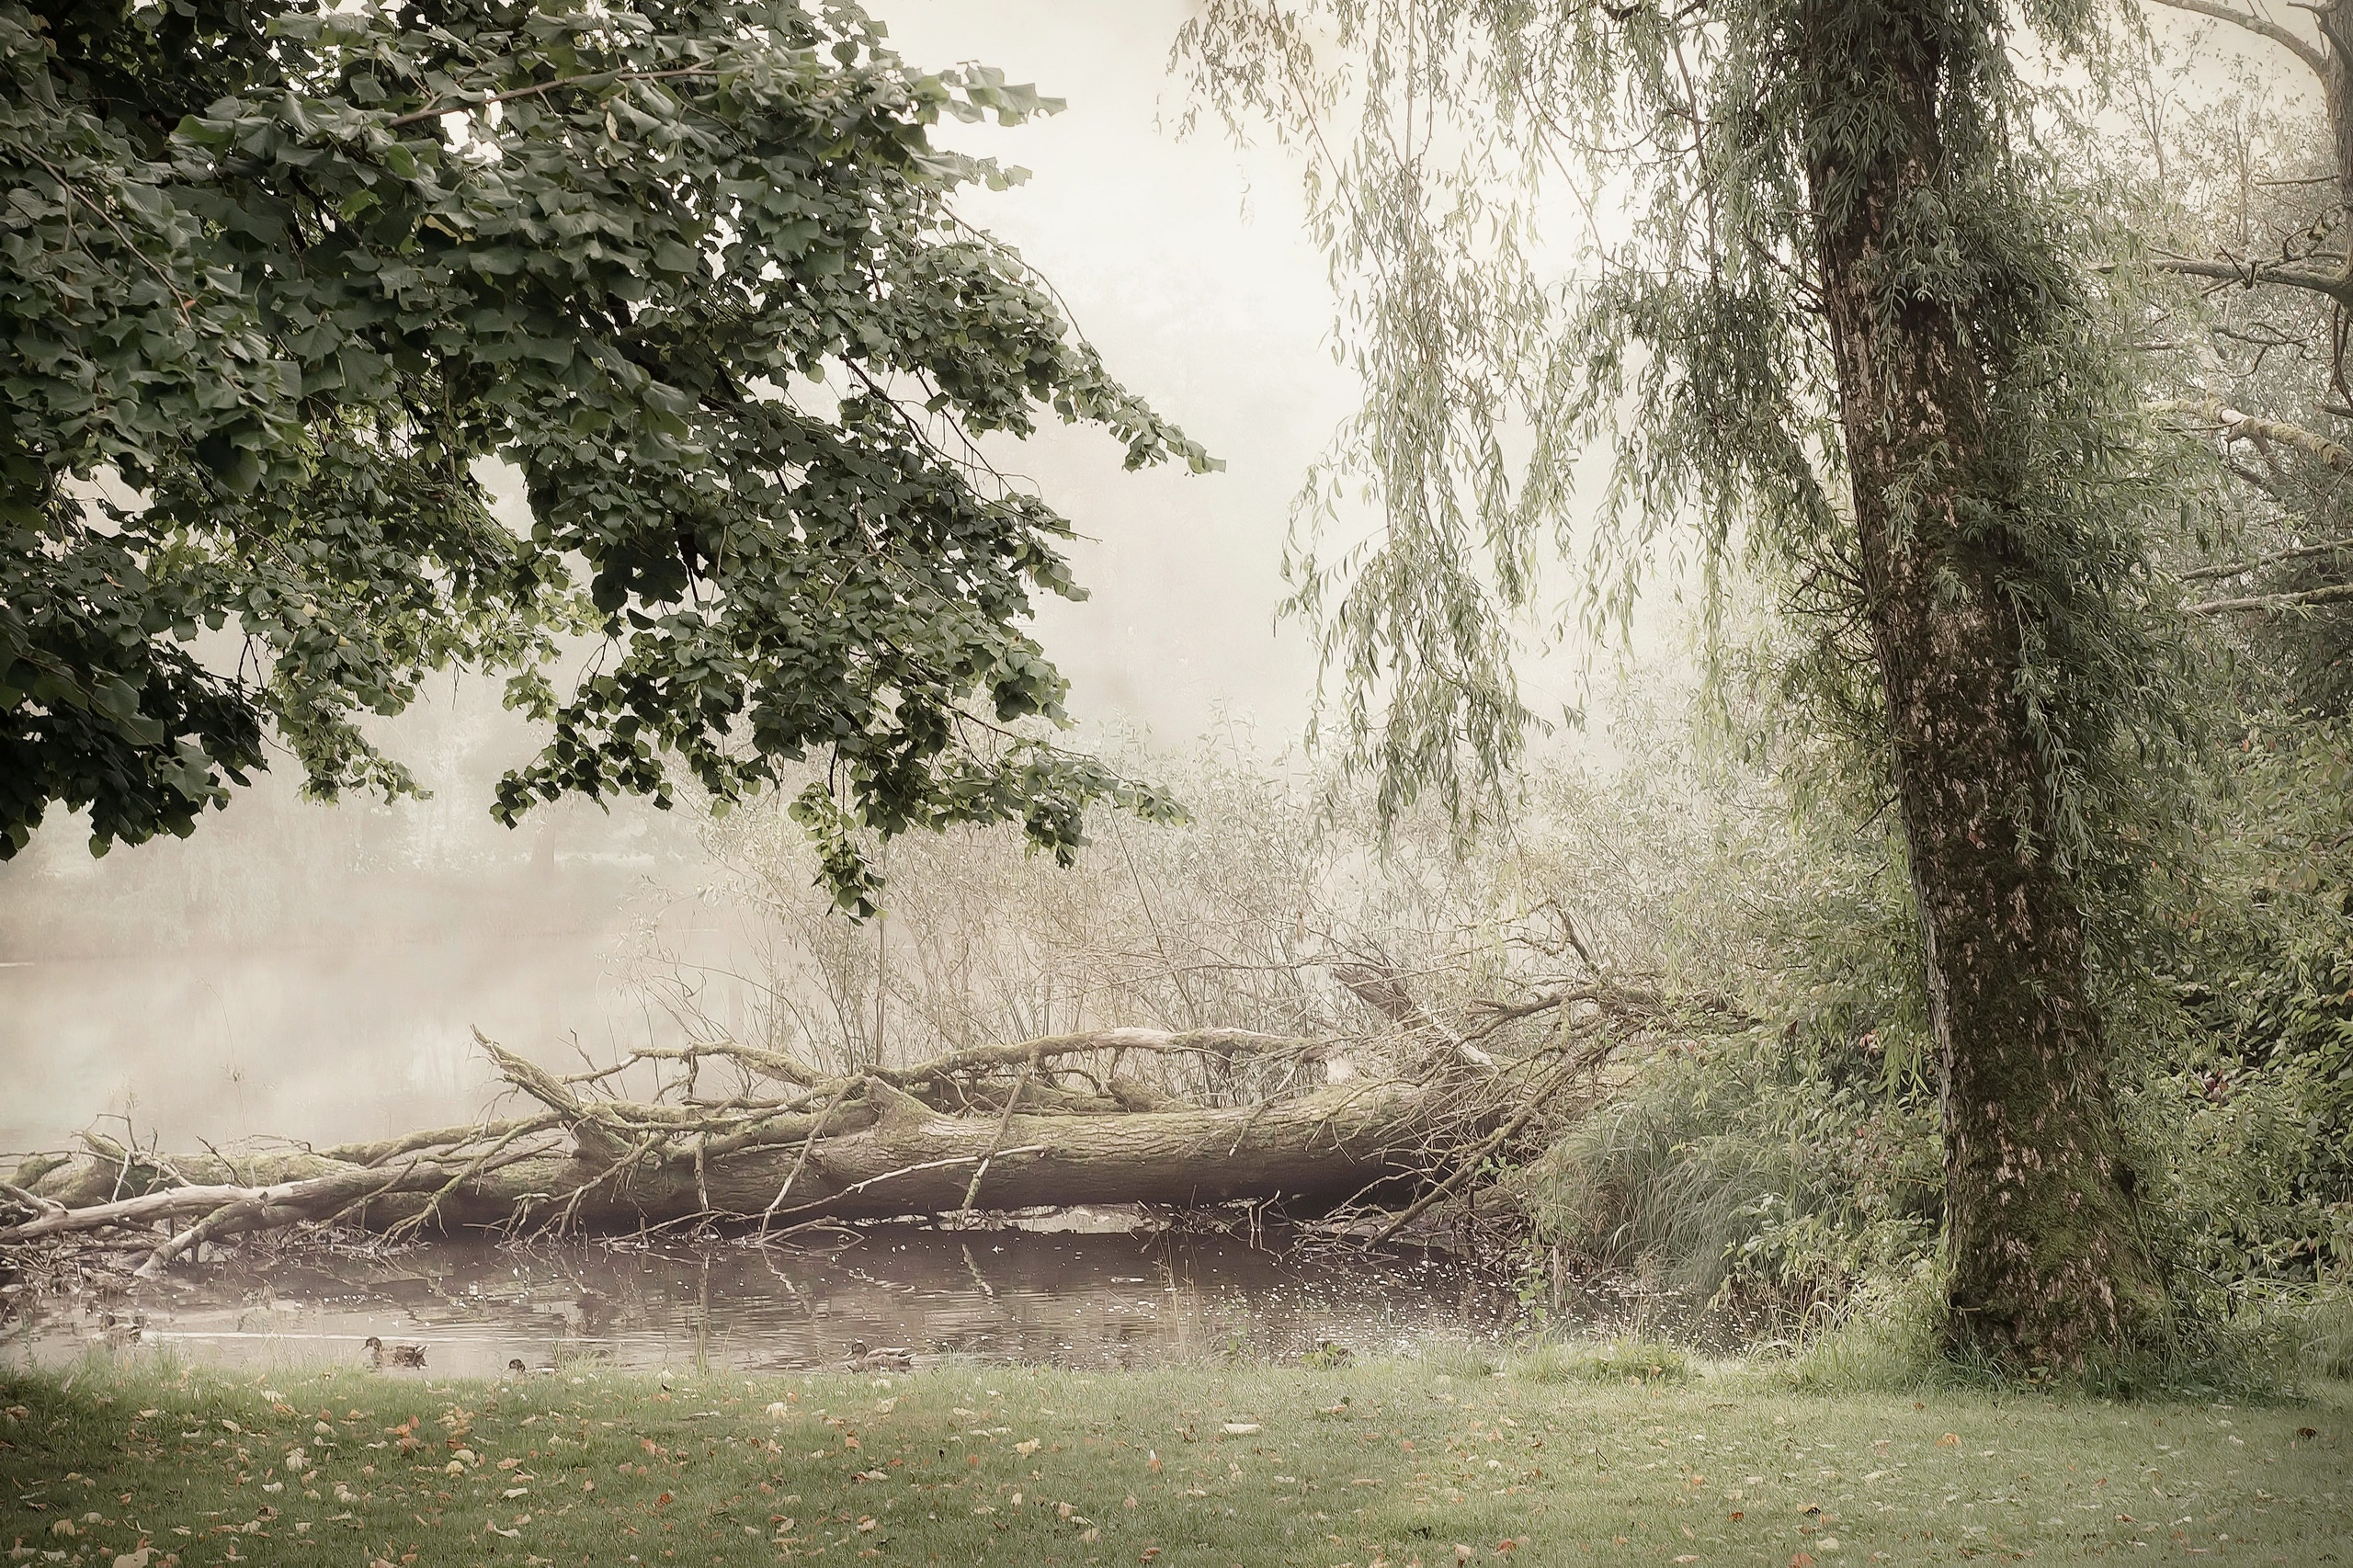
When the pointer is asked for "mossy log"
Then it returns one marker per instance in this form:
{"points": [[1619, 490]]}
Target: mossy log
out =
{"points": [[1213, 1116]]}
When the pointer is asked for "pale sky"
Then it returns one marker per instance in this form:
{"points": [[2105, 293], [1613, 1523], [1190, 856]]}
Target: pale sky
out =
{"points": [[1184, 262]]}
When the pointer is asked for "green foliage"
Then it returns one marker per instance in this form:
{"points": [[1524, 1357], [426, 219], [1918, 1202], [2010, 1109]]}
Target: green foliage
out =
{"points": [[2327, 1342], [1760, 1170], [1636, 1361], [2245, 1104], [1885, 1338], [276, 282], [1666, 332]]}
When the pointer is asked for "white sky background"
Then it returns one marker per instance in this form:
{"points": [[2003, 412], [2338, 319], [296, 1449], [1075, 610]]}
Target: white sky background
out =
{"points": [[1185, 263]]}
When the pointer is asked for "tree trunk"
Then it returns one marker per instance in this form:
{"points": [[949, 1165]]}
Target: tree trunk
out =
{"points": [[2045, 1266]]}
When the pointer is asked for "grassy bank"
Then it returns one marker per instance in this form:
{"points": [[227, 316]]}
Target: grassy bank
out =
{"points": [[1384, 1463]]}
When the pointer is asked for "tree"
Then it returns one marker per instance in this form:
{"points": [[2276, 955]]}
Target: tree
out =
{"points": [[2251, 228], [276, 280], [1827, 322]]}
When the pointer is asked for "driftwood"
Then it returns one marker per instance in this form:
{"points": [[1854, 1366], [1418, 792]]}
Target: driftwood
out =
{"points": [[1213, 1115]]}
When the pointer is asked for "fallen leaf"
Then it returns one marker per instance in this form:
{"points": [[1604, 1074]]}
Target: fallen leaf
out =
{"points": [[1241, 1428], [1949, 1440]]}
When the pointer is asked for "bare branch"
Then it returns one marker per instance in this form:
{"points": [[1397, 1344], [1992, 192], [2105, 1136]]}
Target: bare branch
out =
{"points": [[587, 1123], [376, 1153], [2261, 26], [314, 1194], [2335, 593], [1188, 1042], [2338, 286], [2269, 557], [2236, 426], [33, 1201]]}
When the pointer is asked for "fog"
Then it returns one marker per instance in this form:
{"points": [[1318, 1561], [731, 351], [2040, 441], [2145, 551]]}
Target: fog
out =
{"points": [[314, 971]]}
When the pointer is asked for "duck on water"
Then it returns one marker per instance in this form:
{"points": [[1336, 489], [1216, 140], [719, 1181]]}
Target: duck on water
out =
{"points": [[380, 1354], [879, 1358]]}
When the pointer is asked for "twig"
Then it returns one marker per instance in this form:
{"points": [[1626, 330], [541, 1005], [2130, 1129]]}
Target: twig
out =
{"points": [[437, 110], [31, 1200], [2269, 557], [2332, 594], [799, 1164], [973, 1191], [911, 1170]]}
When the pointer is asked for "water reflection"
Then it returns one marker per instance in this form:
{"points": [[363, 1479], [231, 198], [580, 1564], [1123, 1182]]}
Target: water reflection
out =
{"points": [[1069, 1297]]}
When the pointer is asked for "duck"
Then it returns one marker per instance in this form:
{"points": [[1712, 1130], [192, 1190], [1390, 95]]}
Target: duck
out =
{"points": [[398, 1354], [879, 1358]]}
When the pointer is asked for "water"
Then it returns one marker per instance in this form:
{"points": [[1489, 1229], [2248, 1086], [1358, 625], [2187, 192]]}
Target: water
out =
{"points": [[1083, 1298]]}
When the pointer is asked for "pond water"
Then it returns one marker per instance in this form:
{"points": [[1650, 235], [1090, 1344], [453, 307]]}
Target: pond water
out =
{"points": [[1081, 1297]]}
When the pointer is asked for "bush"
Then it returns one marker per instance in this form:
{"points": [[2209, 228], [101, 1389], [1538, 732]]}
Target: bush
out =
{"points": [[2326, 1350], [1615, 1361], [1755, 1170]]}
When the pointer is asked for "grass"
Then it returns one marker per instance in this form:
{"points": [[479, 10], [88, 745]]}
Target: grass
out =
{"points": [[1383, 1463]]}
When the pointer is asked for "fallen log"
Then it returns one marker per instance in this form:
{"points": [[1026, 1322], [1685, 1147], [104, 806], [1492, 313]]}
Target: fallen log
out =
{"points": [[1052, 1122], [880, 1145]]}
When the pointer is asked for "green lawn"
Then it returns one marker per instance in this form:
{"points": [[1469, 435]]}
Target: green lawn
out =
{"points": [[1388, 1462]]}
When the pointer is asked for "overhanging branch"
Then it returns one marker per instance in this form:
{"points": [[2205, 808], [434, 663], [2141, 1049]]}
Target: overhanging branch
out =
{"points": [[2237, 426], [2335, 593], [2261, 26], [2336, 286]]}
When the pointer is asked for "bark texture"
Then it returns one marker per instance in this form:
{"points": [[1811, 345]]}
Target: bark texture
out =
{"points": [[2046, 1268]]}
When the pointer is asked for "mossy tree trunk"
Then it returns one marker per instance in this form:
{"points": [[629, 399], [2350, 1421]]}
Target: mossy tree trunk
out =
{"points": [[2046, 1268]]}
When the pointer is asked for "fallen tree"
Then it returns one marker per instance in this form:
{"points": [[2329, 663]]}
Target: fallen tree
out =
{"points": [[1114, 1116]]}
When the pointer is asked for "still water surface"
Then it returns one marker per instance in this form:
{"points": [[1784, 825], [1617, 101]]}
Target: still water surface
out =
{"points": [[1068, 1298]]}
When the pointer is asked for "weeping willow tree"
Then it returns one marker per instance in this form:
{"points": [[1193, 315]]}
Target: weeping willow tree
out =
{"points": [[1789, 281]]}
